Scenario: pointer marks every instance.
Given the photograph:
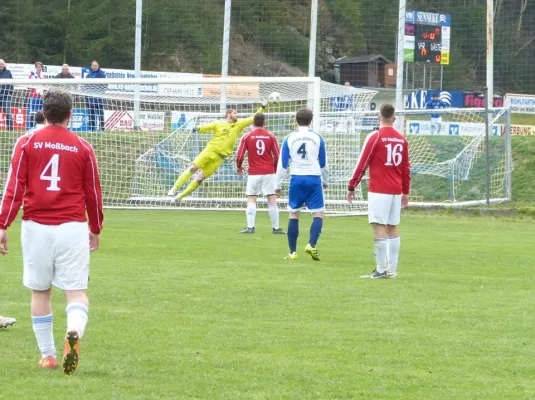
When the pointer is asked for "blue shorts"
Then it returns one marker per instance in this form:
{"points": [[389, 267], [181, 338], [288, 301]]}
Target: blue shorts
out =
{"points": [[306, 190]]}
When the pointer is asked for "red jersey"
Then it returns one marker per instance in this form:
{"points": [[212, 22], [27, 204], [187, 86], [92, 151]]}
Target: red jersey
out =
{"points": [[55, 173], [263, 152], [386, 153]]}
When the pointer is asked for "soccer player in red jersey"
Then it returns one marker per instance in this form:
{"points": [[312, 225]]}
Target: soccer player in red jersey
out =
{"points": [[54, 172], [386, 154], [262, 151]]}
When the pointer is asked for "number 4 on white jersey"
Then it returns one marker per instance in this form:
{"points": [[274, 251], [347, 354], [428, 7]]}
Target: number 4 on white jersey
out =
{"points": [[53, 177]]}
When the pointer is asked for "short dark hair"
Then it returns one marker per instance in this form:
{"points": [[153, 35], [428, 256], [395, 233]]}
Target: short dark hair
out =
{"points": [[39, 117], [228, 112], [387, 111], [259, 120], [304, 117], [57, 105]]}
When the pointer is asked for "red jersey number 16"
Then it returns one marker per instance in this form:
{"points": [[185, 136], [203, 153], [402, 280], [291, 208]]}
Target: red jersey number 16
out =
{"points": [[395, 154]]}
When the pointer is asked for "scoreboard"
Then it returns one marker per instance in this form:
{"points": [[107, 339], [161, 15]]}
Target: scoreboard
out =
{"points": [[427, 37]]}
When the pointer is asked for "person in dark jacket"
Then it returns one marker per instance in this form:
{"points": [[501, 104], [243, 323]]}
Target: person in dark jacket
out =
{"points": [[6, 94], [95, 105], [64, 72]]}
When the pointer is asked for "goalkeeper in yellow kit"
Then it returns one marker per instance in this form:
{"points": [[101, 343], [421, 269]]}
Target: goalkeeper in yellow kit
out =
{"points": [[218, 148]]}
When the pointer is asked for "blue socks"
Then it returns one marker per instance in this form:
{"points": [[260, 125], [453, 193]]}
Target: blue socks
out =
{"points": [[293, 233], [315, 231]]}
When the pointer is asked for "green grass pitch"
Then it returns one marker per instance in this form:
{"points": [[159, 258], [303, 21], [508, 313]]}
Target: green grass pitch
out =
{"points": [[184, 308]]}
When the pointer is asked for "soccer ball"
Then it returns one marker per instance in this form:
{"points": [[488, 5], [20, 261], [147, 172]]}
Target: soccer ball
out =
{"points": [[275, 97]]}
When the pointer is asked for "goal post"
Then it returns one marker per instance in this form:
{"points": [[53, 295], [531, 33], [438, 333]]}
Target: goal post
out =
{"points": [[138, 167]]}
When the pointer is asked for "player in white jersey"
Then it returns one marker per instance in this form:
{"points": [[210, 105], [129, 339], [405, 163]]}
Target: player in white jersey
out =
{"points": [[305, 153]]}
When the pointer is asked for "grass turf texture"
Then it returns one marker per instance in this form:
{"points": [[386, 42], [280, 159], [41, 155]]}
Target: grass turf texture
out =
{"points": [[183, 307]]}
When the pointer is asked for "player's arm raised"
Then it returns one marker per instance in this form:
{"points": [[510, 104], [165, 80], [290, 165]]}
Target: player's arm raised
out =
{"points": [[17, 179], [93, 197], [282, 166], [362, 164], [244, 123]]}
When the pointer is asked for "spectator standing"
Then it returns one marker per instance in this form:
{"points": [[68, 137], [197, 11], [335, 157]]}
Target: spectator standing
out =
{"points": [[95, 105], [36, 101], [64, 72], [6, 95]]}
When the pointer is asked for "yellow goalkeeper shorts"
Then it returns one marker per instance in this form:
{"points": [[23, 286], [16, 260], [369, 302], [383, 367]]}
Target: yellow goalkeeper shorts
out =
{"points": [[208, 161]]}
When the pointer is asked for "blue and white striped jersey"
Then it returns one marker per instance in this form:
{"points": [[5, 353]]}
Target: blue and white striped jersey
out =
{"points": [[304, 152]]}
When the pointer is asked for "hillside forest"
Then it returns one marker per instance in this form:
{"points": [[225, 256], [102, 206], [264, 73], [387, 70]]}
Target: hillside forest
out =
{"points": [[267, 38]]}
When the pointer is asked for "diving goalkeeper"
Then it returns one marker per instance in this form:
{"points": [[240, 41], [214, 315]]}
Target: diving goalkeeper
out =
{"points": [[218, 148]]}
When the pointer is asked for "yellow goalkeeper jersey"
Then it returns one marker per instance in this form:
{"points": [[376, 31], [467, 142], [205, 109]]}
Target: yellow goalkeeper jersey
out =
{"points": [[225, 134]]}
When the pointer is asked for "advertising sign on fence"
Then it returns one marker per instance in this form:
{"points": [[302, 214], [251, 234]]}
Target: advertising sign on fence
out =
{"points": [[520, 103], [122, 120], [18, 119], [448, 128]]}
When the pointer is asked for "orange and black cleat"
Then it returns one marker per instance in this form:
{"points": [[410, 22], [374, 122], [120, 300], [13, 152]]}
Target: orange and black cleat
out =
{"points": [[71, 355]]}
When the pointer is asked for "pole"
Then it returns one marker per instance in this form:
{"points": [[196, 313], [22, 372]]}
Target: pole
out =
{"points": [[312, 90], [441, 76], [399, 60], [509, 155], [225, 56], [490, 52], [430, 77], [487, 153], [406, 75], [312, 43], [137, 61], [425, 71]]}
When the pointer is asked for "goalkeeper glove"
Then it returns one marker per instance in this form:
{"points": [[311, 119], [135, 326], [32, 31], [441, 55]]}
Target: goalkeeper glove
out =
{"points": [[264, 104]]}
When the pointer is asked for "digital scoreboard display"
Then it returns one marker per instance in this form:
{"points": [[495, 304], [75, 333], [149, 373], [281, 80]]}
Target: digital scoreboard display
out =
{"points": [[428, 44], [427, 37]]}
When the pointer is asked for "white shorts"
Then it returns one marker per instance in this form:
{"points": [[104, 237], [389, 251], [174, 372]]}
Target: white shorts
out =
{"points": [[384, 209], [435, 121], [55, 255], [260, 184]]}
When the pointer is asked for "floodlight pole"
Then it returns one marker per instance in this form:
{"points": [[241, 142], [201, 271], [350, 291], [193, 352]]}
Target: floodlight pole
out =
{"points": [[313, 90], [225, 56], [399, 60], [490, 52], [487, 150], [137, 61], [312, 42]]}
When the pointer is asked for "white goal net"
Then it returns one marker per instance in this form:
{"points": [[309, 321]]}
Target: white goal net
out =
{"points": [[144, 140]]}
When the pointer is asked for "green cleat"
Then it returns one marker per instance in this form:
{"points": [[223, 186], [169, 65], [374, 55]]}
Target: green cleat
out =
{"points": [[291, 256], [313, 252]]}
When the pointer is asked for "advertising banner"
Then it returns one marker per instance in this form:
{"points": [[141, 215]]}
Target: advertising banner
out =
{"points": [[18, 119], [122, 120], [520, 103]]}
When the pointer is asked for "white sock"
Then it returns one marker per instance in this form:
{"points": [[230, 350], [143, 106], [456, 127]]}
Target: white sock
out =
{"points": [[393, 252], [251, 214], [274, 215], [43, 327], [380, 250], [77, 317]]}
